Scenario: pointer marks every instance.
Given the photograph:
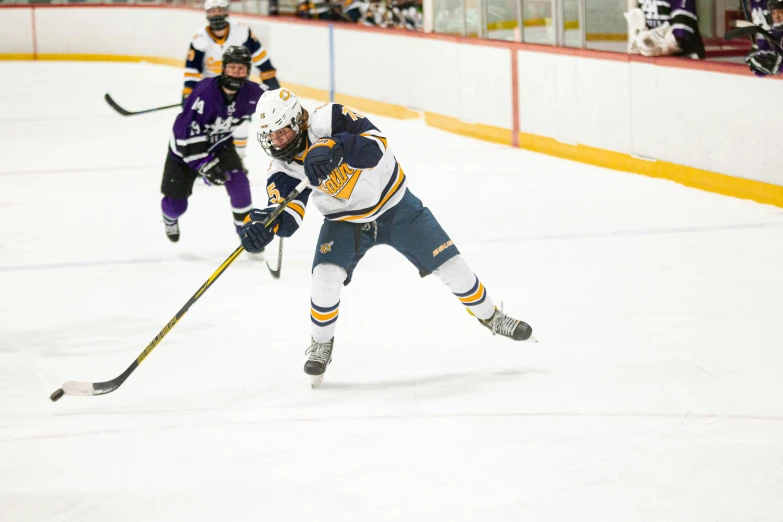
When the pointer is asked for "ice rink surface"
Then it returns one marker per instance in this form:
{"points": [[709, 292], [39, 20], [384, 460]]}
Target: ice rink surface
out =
{"points": [[655, 393]]}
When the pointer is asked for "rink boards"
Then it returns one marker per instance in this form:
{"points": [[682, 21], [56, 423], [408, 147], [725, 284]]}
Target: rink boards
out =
{"points": [[670, 118]]}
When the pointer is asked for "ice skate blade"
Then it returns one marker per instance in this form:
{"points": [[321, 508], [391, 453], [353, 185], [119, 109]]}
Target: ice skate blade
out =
{"points": [[531, 339], [316, 380]]}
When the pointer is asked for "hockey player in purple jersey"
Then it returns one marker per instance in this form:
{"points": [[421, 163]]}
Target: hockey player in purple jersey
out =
{"points": [[201, 143], [665, 28], [356, 182], [765, 58]]}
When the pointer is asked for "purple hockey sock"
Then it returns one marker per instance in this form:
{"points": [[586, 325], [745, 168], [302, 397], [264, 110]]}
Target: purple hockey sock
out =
{"points": [[238, 188], [173, 208]]}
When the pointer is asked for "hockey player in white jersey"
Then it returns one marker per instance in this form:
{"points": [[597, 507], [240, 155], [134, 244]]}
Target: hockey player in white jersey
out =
{"points": [[357, 184], [206, 50]]}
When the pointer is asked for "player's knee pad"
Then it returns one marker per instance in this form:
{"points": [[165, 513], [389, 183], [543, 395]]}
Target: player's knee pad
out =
{"points": [[455, 273], [327, 283]]}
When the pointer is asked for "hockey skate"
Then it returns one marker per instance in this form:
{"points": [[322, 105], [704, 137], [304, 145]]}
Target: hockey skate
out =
{"points": [[172, 229], [509, 327], [319, 355]]}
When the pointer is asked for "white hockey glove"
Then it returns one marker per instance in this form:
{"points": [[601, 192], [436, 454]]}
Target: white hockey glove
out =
{"points": [[657, 42], [636, 23]]}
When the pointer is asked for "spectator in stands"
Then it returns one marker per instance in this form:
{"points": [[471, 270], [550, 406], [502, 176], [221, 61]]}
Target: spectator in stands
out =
{"points": [[665, 27], [766, 56]]}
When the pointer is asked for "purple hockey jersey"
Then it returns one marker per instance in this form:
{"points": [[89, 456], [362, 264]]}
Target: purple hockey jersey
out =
{"points": [[207, 120], [681, 15], [759, 15]]}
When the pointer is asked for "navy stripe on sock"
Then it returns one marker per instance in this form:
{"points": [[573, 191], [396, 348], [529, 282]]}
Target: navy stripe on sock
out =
{"points": [[469, 292], [322, 309], [476, 303]]}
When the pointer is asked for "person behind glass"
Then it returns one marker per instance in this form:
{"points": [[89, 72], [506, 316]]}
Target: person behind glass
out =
{"points": [[665, 28], [765, 58]]}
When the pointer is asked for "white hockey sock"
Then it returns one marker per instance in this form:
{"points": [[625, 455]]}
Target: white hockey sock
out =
{"points": [[325, 300], [463, 283]]}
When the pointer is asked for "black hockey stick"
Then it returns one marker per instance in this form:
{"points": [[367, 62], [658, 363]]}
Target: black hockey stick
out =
{"points": [[124, 112], [276, 272], [749, 30], [101, 388]]}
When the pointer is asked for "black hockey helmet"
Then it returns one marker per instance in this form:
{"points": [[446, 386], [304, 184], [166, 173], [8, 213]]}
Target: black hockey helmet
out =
{"points": [[217, 23], [235, 54]]}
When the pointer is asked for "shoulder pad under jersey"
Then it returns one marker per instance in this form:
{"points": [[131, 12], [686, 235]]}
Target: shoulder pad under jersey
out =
{"points": [[200, 39], [240, 29], [321, 120]]}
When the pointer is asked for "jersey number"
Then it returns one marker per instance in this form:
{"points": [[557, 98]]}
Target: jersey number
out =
{"points": [[274, 194], [650, 8], [353, 114], [198, 106]]}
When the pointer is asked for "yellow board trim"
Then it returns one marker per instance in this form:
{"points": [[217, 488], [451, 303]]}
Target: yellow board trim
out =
{"points": [[177, 62], [606, 37], [476, 130], [689, 176], [13, 56]]}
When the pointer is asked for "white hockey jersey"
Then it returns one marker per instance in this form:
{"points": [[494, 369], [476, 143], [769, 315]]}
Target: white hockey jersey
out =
{"points": [[205, 55], [353, 194]]}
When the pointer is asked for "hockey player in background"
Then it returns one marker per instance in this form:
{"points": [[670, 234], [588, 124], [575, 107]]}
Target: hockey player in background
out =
{"points": [[356, 183], [765, 57], [208, 45], [201, 143], [665, 27]]}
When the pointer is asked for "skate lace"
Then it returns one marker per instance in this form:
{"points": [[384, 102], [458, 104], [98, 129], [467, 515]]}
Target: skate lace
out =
{"points": [[503, 324], [172, 228], [319, 352]]}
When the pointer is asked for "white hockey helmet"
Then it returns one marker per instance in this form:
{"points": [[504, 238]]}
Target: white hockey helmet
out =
{"points": [[217, 23], [277, 110], [211, 4]]}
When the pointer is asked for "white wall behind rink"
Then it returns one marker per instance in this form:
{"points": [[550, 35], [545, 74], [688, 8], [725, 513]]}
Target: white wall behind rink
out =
{"points": [[672, 114]]}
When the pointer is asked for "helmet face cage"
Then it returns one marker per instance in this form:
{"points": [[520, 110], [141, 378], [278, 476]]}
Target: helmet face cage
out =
{"points": [[217, 23], [235, 54]]}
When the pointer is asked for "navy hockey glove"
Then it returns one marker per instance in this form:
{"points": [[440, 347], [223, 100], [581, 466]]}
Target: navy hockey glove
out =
{"points": [[254, 235], [212, 171], [764, 63], [322, 158]]}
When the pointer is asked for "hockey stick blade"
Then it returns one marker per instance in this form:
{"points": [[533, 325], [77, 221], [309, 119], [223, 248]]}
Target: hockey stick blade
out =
{"points": [[276, 271], [87, 389], [84, 389], [114, 105]]}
